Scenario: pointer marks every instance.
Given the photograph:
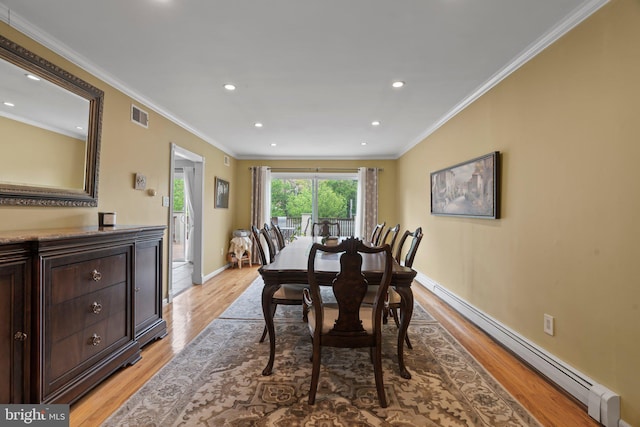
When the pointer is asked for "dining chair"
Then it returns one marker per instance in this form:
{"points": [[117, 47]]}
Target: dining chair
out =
{"points": [[259, 239], [287, 294], [274, 247], [376, 233], [347, 323], [325, 228], [391, 233], [393, 299], [416, 238], [279, 236], [306, 227], [393, 302]]}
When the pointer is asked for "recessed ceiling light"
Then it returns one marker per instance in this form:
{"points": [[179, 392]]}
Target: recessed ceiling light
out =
{"points": [[375, 123], [32, 77], [229, 86], [397, 84], [363, 143], [9, 104], [258, 124], [273, 144]]}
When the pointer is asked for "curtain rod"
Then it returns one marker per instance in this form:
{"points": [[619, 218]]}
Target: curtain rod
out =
{"points": [[317, 169]]}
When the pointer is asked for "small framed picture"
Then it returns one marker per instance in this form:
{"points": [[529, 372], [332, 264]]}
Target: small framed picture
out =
{"points": [[140, 182], [222, 193]]}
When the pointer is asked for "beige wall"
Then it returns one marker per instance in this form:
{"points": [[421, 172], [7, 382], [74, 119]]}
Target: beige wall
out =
{"points": [[126, 149], [567, 124], [387, 186], [36, 156]]}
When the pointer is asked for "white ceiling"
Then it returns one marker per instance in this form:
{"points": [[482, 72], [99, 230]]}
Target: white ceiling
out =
{"points": [[315, 73]]}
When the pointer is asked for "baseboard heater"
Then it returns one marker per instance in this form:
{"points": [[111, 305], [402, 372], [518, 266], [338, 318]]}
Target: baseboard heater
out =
{"points": [[603, 404]]}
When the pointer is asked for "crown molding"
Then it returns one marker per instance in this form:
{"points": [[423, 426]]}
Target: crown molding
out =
{"points": [[563, 27], [4, 13], [51, 43]]}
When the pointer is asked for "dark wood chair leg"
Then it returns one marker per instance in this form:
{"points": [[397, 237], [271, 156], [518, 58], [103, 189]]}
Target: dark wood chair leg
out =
{"points": [[315, 375], [264, 331], [377, 369], [394, 314]]}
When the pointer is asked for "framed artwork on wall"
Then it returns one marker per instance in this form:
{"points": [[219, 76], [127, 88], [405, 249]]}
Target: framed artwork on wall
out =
{"points": [[222, 193], [468, 189]]}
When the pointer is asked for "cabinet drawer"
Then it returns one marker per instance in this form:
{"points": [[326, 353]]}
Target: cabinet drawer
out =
{"points": [[77, 314], [75, 279], [70, 352]]}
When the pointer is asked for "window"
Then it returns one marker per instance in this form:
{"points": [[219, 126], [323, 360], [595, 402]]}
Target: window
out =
{"points": [[298, 200]]}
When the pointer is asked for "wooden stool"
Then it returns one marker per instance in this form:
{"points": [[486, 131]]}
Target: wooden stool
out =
{"points": [[233, 260]]}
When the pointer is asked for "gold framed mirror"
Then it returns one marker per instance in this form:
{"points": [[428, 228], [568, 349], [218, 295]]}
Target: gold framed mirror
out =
{"points": [[50, 126]]}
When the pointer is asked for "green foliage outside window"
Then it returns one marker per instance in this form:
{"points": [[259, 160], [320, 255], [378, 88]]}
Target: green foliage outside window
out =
{"points": [[293, 197], [178, 195]]}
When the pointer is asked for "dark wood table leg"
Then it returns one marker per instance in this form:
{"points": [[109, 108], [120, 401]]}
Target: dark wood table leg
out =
{"points": [[406, 311], [267, 296]]}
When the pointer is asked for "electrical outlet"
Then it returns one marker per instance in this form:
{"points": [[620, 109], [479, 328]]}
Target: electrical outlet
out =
{"points": [[165, 201], [549, 324], [221, 251]]}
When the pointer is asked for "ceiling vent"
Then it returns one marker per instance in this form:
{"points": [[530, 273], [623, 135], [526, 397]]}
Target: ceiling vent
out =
{"points": [[139, 116]]}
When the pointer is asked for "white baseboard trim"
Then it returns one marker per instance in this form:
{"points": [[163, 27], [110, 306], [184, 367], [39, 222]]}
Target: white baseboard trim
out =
{"points": [[566, 377], [204, 279], [215, 273]]}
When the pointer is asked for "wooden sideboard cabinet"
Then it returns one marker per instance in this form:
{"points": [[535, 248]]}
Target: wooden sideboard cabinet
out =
{"points": [[93, 297], [149, 324], [14, 327]]}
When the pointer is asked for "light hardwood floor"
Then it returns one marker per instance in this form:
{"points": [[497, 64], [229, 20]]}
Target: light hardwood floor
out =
{"points": [[195, 308]]}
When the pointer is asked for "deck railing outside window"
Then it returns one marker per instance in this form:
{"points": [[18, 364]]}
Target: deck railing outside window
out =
{"points": [[295, 223]]}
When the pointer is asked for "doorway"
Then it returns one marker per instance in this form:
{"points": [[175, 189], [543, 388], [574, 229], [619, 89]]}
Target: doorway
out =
{"points": [[185, 220]]}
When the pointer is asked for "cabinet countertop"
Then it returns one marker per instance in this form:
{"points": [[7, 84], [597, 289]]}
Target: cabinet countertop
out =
{"points": [[18, 236]]}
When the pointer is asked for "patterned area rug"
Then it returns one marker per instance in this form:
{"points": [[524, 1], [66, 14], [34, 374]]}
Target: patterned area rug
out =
{"points": [[217, 381]]}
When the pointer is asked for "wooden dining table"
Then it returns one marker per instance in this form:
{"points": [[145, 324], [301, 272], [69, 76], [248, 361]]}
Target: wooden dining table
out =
{"points": [[290, 267]]}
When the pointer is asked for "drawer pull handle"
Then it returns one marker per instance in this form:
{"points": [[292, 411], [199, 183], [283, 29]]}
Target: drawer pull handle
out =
{"points": [[20, 336], [96, 307], [96, 275], [95, 340]]}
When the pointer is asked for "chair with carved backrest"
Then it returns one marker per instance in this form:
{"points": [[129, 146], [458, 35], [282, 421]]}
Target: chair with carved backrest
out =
{"points": [[273, 237], [394, 300], [347, 323], [376, 234], [390, 233], [416, 238], [325, 228], [390, 236], [306, 227], [374, 240], [259, 239], [277, 232], [287, 294]]}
